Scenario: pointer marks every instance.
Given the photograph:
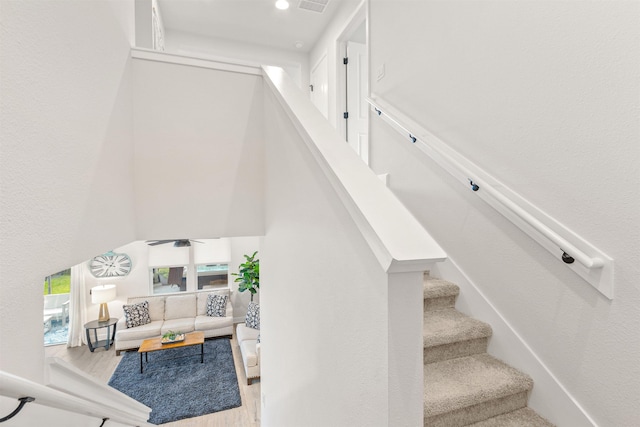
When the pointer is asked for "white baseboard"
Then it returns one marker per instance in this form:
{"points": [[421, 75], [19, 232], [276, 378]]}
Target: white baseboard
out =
{"points": [[549, 398]]}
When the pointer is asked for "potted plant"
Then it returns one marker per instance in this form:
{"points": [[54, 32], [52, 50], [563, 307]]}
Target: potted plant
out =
{"points": [[249, 275], [171, 336]]}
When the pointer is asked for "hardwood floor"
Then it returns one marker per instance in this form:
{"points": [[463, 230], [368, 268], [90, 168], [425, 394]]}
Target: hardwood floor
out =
{"points": [[101, 364]]}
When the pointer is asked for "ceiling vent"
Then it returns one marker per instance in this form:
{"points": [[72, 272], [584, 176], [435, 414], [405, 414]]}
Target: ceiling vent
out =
{"points": [[313, 5]]}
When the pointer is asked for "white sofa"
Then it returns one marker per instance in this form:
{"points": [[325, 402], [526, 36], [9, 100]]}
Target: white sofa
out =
{"points": [[184, 312], [250, 350]]}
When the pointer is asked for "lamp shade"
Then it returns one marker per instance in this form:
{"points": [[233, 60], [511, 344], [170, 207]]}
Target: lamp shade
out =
{"points": [[103, 293]]}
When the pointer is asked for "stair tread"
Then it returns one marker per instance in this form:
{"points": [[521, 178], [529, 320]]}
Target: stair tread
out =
{"points": [[438, 288], [521, 417], [448, 325], [453, 384]]}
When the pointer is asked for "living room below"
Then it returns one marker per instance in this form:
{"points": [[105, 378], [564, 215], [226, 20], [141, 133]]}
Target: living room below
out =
{"points": [[205, 268], [201, 266], [207, 264]]}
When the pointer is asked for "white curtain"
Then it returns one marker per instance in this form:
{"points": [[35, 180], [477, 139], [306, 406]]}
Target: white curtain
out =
{"points": [[77, 306]]}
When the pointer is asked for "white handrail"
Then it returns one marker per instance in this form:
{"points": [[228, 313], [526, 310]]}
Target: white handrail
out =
{"points": [[16, 387], [192, 61], [464, 170], [562, 244]]}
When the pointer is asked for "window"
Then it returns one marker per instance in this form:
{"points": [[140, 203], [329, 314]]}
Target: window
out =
{"points": [[201, 266], [58, 283], [212, 276], [169, 279], [55, 313]]}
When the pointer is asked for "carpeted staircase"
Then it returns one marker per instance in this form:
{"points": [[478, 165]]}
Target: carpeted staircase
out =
{"points": [[463, 385]]}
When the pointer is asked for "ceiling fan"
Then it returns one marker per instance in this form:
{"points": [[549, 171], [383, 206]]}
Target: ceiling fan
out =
{"points": [[177, 243]]}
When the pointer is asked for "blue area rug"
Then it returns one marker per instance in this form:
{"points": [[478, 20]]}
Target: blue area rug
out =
{"points": [[58, 334], [175, 385]]}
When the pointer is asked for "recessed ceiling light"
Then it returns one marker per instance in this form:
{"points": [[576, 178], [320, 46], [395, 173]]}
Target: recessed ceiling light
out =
{"points": [[282, 4], [298, 44]]}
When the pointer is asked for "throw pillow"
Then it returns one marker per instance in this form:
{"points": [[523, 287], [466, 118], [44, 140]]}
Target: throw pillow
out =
{"points": [[216, 305], [253, 316], [137, 314]]}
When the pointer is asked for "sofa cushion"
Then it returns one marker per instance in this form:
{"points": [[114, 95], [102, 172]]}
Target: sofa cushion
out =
{"points": [[216, 305], [244, 333], [156, 306], [253, 316], [180, 307], [249, 353], [206, 323], [178, 325], [204, 296], [137, 314], [143, 332]]}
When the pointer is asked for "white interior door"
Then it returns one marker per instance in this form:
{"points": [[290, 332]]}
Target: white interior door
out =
{"points": [[357, 82], [320, 86]]}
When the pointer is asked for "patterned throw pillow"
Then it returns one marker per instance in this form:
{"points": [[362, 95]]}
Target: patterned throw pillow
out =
{"points": [[216, 305], [253, 316], [137, 314]]}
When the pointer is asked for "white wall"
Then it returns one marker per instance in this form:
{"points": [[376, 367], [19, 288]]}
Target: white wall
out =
{"points": [[198, 152], [136, 283], [323, 299], [545, 96], [296, 64], [67, 161], [143, 24], [327, 45]]}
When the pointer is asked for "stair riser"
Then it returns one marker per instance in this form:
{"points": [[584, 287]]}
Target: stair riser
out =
{"points": [[438, 303], [455, 350], [520, 418], [479, 412]]}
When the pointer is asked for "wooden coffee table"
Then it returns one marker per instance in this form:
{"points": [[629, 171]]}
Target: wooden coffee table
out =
{"points": [[155, 344]]}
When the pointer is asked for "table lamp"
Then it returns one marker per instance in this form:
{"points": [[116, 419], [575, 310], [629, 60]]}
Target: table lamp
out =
{"points": [[102, 295]]}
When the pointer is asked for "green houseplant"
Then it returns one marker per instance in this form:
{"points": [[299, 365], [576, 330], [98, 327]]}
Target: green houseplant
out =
{"points": [[249, 275]]}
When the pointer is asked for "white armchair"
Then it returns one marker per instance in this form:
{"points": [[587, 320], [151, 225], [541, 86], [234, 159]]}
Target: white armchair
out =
{"points": [[57, 306], [250, 350]]}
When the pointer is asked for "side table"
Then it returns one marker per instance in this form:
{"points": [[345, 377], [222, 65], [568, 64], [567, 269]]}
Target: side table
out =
{"points": [[95, 325]]}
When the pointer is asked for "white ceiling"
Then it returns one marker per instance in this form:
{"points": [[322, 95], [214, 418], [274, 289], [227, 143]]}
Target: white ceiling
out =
{"points": [[248, 21]]}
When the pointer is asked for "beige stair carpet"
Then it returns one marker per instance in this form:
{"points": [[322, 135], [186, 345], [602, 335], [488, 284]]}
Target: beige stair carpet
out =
{"points": [[447, 334], [524, 417], [463, 385]]}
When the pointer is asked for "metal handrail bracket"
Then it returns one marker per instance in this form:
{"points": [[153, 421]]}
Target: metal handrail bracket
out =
{"points": [[593, 265]]}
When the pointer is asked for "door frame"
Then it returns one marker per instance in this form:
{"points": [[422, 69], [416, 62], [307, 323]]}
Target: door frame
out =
{"points": [[360, 15]]}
